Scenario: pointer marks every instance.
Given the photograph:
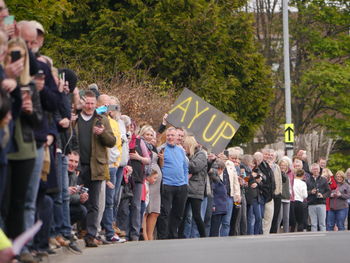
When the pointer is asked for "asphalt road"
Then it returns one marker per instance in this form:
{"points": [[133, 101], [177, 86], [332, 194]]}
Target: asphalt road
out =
{"points": [[293, 247]]}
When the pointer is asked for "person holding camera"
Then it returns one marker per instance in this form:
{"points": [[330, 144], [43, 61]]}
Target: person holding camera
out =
{"points": [[78, 194], [253, 201], [318, 190], [339, 202]]}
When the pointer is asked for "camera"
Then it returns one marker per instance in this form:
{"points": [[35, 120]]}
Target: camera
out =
{"points": [[112, 107], [318, 194], [82, 189]]}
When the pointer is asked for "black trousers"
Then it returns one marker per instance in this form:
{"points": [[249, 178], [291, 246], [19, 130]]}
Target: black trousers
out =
{"points": [[77, 213], [277, 201], [306, 215], [93, 201], [208, 215], [235, 223], [292, 220], [196, 215], [299, 215], [216, 221], [172, 210], [19, 173], [45, 213]]}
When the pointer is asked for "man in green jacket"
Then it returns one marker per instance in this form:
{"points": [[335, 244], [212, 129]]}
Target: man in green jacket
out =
{"points": [[94, 135]]}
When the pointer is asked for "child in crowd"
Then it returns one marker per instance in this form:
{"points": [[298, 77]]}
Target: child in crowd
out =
{"points": [[151, 179], [220, 197]]}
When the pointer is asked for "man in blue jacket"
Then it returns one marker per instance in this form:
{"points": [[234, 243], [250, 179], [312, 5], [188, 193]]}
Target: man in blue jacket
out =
{"points": [[174, 188]]}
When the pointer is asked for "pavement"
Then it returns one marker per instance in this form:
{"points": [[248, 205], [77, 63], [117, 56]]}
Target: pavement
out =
{"points": [[330, 247]]}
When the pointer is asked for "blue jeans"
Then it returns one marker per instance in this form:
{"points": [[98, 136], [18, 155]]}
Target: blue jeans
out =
{"points": [[254, 218], [118, 186], [107, 220], [32, 190], [226, 220], [187, 222], [61, 200], [129, 214], [337, 217]]}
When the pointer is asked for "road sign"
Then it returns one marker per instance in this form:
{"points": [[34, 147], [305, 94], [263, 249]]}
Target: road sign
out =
{"points": [[289, 132]]}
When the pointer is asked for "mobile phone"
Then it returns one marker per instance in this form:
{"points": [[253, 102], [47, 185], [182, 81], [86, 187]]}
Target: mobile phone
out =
{"points": [[15, 55], [62, 76], [112, 107], [98, 122], [9, 20], [132, 150], [226, 153], [26, 93]]}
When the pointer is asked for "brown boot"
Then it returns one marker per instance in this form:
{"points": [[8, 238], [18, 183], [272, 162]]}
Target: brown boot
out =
{"points": [[63, 242], [81, 234], [54, 243], [118, 231], [90, 242]]}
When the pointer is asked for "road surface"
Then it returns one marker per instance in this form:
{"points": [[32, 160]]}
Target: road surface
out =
{"points": [[280, 248]]}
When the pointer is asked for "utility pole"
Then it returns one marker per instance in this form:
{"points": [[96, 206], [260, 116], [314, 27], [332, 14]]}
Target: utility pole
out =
{"points": [[288, 127]]}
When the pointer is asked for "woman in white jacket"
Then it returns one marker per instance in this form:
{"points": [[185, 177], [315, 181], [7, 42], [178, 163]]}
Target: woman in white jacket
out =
{"points": [[300, 193]]}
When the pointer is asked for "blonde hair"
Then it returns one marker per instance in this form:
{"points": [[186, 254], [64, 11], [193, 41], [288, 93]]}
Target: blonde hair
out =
{"points": [[24, 78], [347, 172], [191, 144], [342, 174], [144, 129], [285, 162], [326, 173]]}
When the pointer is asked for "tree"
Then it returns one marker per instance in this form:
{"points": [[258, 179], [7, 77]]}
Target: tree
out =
{"points": [[319, 41], [207, 46], [268, 31], [47, 12]]}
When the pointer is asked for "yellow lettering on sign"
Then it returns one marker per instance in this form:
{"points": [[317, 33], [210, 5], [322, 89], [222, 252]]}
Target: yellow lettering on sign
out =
{"points": [[197, 114], [184, 109], [223, 135], [215, 133]]}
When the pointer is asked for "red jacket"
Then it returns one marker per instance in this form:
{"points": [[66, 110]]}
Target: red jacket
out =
{"points": [[332, 185]]}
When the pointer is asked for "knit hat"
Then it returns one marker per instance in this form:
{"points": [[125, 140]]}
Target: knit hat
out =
{"points": [[94, 88]]}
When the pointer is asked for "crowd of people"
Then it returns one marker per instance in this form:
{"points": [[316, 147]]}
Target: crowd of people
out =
{"points": [[71, 159]]}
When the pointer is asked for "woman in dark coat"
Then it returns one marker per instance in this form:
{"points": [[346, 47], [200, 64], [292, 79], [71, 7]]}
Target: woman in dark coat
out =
{"points": [[197, 181]]}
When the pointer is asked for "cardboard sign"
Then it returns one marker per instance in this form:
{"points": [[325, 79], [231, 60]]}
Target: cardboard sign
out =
{"points": [[212, 128]]}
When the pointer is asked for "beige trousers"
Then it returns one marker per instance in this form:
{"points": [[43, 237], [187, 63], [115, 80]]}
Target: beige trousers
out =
{"points": [[268, 216]]}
